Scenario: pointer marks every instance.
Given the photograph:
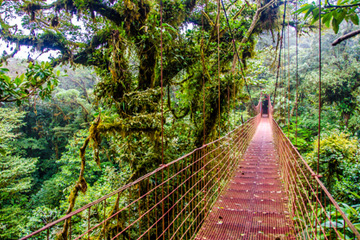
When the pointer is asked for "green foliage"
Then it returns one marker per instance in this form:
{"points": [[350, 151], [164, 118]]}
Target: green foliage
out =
{"points": [[337, 157], [40, 216], [332, 14], [352, 213], [32, 141], [39, 80], [15, 175], [10, 119], [56, 188], [304, 135]]}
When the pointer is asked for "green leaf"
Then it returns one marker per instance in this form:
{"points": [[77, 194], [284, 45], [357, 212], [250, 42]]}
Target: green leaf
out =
{"points": [[2, 151], [309, 11], [17, 81], [304, 8], [315, 15], [22, 77], [58, 73], [355, 19], [357, 226], [355, 194], [326, 18], [4, 70], [33, 81], [341, 16], [7, 79], [335, 25]]}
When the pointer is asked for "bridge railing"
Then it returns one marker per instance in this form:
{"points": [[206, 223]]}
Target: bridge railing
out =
{"points": [[170, 202], [315, 213]]}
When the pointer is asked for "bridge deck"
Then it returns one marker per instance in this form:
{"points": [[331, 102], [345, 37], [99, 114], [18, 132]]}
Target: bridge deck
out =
{"points": [[254, 204]]}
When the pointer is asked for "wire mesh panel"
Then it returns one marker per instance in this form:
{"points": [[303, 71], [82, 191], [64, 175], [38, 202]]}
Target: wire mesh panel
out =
{"points": [[254, 204], [169, 203], [315, 213]]}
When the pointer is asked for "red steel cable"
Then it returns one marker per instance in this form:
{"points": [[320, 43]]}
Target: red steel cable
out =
{"points": [[162, 107], [296, 73], [218, 60], [288, 98], [279, 60], [319, 123], [319, 100], [203, 76]]}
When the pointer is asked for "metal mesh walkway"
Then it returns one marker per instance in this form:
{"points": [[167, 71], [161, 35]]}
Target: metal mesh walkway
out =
{"points": [[254, 205]]}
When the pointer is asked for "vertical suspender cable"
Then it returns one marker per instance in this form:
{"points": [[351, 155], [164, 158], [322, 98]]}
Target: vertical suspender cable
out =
{"points": [[284, 80], [234, 97], [162, 114], [228, 98], [203, 76], [288, 98], [282, 77], [296, 73], [319, 100], [319, 124], [279, 60], [218, 49], [161, 82]]}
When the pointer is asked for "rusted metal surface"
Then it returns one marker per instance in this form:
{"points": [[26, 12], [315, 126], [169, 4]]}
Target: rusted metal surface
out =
{"points": [[254, 205]]}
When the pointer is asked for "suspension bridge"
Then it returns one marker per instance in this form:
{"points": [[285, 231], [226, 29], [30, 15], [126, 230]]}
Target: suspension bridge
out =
{"points": [[250, 184]]}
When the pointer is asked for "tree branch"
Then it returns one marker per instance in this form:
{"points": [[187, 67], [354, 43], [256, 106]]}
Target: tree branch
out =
{"points": [[342, 6], [95, 5], [11, 55], [344, 37], [108, 12], [251, 29], [48, 40]]}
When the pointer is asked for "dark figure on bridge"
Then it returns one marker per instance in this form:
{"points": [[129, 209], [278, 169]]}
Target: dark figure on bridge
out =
{"points": [[265, 108]]}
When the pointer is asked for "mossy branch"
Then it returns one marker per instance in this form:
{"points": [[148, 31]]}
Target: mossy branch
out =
{"points": [[256, 18], [208, 18], [81, 184]]}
